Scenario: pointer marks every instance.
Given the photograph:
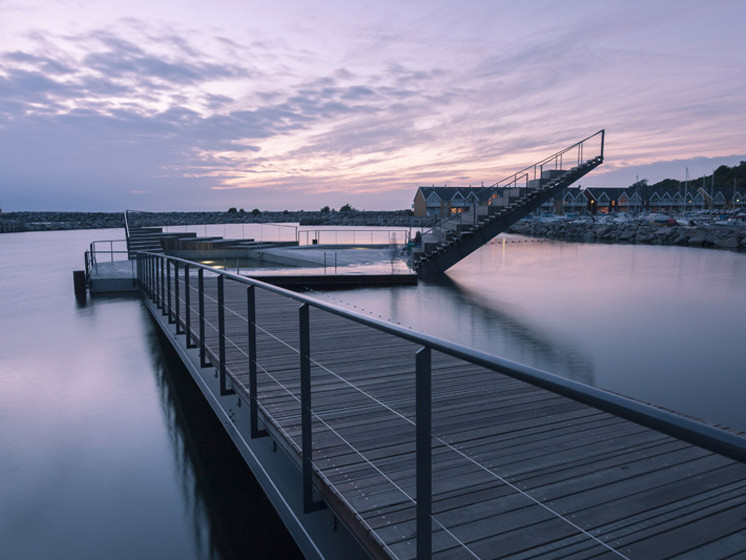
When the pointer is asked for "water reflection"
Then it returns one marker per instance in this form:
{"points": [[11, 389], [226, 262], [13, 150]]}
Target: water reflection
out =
{"points": [[543, 345], [231, 516], [660, 324]]}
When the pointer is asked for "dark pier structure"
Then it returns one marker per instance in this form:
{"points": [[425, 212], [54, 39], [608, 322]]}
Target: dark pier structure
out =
{"points": [[375, 441]]}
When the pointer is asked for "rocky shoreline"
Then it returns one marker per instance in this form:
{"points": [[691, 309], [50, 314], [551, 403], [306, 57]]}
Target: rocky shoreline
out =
{"points": [[49, 221], [637, 231]]}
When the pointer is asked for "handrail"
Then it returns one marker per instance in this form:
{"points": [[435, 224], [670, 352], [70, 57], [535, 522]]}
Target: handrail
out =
{"points": [[381, 230], [555, 156], [91, 260], [154, 274], [695, 432], [126, 225], [127, 229]]}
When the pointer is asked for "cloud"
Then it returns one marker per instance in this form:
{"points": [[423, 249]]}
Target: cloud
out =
{"points": [[198, 114]]}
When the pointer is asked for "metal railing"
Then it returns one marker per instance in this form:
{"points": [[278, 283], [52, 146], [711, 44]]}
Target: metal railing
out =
{"points": [[126, 225], [303, 235], [159, 279], [339, 236], [557, 160], [98, 247]]}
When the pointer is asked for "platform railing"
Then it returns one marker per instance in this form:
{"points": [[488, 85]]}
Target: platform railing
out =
{"points": [[159, 277], [310, 235], [103, 250]]}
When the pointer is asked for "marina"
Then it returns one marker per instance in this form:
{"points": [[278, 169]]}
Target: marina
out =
{"points": [[401, 281]]}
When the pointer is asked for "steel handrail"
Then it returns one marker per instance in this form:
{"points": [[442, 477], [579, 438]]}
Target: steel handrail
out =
{"points": [[554, 156], [154, 276], [696, 432], [406, 230]]}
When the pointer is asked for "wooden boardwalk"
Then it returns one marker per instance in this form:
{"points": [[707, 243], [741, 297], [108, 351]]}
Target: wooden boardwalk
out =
{"points": [[518, 472]]}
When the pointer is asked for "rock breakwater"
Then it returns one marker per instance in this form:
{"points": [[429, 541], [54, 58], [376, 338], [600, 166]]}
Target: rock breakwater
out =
{"points": [[45, 221], [640, 231]]}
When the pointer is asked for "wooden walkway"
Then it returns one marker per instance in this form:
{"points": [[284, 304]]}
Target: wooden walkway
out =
{"points": [[518, 472]]}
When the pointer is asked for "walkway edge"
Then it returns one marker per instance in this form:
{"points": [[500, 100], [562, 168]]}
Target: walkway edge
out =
{"points": [[318, 535]]}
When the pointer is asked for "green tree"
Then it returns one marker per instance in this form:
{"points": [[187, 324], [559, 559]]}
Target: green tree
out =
{"points": [[346, 208], [325, 210], [232, 210], [256, 211]]}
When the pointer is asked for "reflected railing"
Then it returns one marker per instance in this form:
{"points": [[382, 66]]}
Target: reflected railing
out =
{"points": [[173, 284]]}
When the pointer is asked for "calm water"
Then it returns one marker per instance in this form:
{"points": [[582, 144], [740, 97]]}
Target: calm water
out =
{"points": [[108, 450], [666, 325]]}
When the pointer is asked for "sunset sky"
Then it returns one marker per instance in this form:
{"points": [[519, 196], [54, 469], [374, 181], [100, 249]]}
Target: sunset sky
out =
{"points": [[184, 105]]}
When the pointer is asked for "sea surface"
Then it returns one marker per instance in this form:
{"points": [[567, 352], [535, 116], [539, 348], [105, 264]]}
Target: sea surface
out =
{"points": [[108, 450], [665, 325]]}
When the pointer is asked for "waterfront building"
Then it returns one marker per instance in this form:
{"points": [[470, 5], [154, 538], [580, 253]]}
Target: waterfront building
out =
{"points": [[444, 201], [667, 197]]}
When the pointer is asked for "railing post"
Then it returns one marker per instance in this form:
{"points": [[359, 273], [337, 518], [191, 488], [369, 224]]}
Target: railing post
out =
{"points": [[163, 283], [253, 395], [159, 280], [188, 308], [154, 279], [224, 389], [201, 285], [309, 504], [176, 298], [168, 311], [424, 480], [151, 278]]}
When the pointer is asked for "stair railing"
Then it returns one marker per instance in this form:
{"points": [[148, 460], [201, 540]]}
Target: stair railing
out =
{"points": [[126, 225], [556, 160]]}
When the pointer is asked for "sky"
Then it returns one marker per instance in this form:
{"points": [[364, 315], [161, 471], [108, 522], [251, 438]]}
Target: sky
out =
{"points": [[185, 105]]}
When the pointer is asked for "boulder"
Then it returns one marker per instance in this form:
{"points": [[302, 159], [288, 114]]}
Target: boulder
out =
{"points": [[695, 237], [727, 242]]}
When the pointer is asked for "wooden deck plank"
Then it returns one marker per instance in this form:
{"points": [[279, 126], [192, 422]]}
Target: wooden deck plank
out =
{"points": [[687, 536], [628, 484]]}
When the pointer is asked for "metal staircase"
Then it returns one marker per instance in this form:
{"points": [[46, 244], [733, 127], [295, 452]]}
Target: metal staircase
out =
{"points": [[513, 198], [142, 238]]}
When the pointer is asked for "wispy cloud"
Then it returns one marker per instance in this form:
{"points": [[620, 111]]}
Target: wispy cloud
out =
{"points": [[200, 116]]}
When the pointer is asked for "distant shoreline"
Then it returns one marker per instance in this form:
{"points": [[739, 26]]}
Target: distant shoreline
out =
{"points": [[55, 221]]}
